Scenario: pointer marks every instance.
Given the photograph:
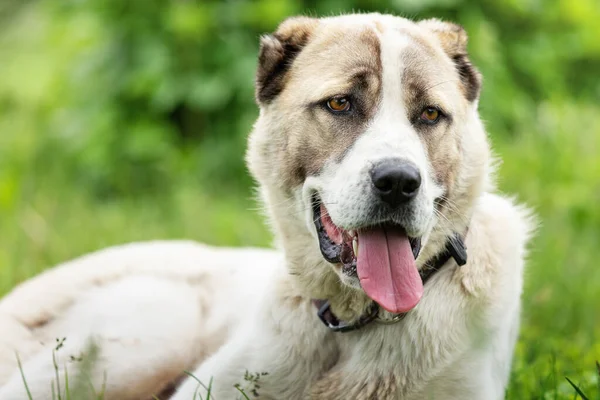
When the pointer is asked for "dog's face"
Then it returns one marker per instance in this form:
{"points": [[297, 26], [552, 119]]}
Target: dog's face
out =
{"points": [[369, 134]]}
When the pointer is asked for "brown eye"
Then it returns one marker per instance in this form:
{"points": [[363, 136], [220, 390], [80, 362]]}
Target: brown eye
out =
{"points": [[338, 104], [430, 115]]}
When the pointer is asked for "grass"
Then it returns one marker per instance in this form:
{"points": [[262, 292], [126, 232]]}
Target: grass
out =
{"points": [[83, 387], [252, 384], [557, 173]]}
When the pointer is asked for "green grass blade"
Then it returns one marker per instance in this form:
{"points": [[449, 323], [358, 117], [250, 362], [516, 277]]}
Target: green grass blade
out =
{"points": [[598, 380], [56, 374], [579, 392], [242, 392], [103, 389], [67, 391], [23, 377], [208, 389]]}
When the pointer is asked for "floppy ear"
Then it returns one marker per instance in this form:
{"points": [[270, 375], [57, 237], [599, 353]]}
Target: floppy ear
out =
{"points": [[453, 39], [277, 52]]}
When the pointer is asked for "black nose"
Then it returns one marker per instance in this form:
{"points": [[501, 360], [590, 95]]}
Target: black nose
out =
{"points": [[396, 181]]}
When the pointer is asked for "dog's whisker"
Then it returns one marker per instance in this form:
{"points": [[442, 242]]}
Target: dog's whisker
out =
{"points": [[290, 206], [460, 216], [281, 203], [450, 205], [438, 84]]}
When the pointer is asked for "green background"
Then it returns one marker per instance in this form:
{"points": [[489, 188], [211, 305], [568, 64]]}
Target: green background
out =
{"points": [[126, 120]]}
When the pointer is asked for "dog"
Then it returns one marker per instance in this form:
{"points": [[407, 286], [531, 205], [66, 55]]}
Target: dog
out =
{"points": [[398, 271]]}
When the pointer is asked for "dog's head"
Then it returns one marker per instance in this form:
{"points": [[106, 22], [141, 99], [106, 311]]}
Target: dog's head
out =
{"points": [[368, 146]]}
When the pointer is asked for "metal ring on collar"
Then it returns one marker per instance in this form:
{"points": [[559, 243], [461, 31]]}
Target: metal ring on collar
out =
{"points": [[389, 321]]}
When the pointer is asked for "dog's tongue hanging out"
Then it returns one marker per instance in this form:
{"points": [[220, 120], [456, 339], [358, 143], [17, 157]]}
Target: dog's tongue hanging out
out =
{"points": [[387, 270]]}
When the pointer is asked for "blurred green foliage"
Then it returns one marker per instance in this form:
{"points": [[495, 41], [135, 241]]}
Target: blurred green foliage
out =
{"points": [[126, 120]]}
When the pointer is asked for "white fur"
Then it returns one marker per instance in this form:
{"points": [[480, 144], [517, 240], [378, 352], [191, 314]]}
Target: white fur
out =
{"points": [[154, 310]]}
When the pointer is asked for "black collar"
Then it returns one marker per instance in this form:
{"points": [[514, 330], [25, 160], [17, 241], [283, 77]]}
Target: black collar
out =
{"points": [[455, 248]]}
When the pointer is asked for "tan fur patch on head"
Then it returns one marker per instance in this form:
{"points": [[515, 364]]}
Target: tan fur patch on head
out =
{"points": [[453, 39], [340, 69], [338, 60]]}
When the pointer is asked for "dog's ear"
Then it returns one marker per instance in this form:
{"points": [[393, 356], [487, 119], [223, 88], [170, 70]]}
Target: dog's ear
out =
{"points": [[453, 39], [277, 52]]}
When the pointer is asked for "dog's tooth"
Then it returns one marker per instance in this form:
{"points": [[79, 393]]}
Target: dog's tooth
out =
{"points": [[355, 246], [352, 233]]}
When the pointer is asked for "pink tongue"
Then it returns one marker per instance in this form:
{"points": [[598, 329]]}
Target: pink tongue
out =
{"points": [[387, 270]]}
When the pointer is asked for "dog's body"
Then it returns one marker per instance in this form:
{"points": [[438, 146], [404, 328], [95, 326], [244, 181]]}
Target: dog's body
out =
{"points": [[368, 143]]}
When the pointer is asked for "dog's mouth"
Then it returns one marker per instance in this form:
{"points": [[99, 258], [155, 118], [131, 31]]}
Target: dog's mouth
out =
{"points": [[382, 257]]}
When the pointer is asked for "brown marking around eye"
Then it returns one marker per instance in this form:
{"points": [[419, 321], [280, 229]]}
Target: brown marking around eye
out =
{"points": [[317, 136], [424, 78]]}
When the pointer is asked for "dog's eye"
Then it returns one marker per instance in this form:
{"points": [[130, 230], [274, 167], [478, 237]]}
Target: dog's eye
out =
{"points": [[430, 115], [338, 104]]}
